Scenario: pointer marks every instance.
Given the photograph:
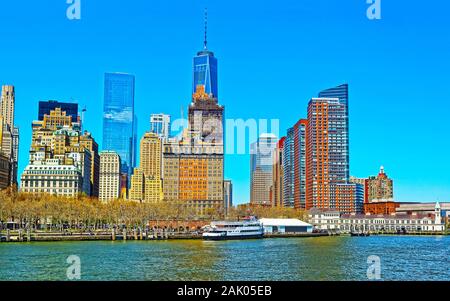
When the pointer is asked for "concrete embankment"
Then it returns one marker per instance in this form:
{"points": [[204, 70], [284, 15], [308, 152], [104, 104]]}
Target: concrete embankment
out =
{"points": [[27, 236]]}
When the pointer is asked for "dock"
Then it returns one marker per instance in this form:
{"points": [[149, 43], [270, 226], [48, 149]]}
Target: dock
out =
{"points": [[114, 235]]}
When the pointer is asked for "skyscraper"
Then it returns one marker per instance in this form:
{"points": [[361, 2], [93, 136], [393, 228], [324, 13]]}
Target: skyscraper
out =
{"points": [[146, 184], [9, 132], [276, 190], [341, 92], [150, 158], [45, 107], [193, 167], [160, 124], [227, 195], [327, 167], [294, 192], [7, 105], [261, 162], [119, 122], [205, 68]]}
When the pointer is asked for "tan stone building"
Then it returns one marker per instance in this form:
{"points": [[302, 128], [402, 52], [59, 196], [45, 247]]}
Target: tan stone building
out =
{"points": [[194, 175], [193, 168], [59, 139], [136, 192], [146, 184], [9, 135], [150, 154], [7, 104], [109, 182]]}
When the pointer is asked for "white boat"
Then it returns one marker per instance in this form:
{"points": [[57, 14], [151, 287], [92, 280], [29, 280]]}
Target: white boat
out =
{"points": [[224, 230]]}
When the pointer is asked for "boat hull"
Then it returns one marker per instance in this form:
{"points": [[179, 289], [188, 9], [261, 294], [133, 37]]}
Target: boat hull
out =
{"points": [[234, 237]]}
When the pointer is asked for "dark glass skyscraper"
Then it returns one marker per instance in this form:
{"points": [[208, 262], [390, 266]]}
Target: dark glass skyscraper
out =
{"points": [[45, 107], [119, 122]]}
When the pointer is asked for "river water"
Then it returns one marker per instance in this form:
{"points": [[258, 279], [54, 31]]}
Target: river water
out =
{"points": [[318, 258]]}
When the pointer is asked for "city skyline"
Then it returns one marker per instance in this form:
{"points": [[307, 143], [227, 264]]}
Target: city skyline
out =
{"points": [[424, 181]]}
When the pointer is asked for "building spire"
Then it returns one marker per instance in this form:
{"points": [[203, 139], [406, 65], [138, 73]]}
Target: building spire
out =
{"points": [[205, 43]]}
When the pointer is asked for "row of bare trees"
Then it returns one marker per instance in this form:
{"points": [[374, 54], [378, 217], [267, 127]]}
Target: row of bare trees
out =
{"points": [[51, 212], [56, 212]]}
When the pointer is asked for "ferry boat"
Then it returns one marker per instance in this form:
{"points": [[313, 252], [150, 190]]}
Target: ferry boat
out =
{"points": [[223, 230]]}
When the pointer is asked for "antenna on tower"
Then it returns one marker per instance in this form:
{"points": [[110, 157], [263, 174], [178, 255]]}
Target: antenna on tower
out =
{"points": [[83, 111], [205, 43]]}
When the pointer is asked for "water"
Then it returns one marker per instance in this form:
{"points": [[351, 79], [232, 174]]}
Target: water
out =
{"points": [[322, 258]]}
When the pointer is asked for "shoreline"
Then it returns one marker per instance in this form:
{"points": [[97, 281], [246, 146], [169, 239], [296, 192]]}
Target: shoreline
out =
{"points": [[102, 236]]}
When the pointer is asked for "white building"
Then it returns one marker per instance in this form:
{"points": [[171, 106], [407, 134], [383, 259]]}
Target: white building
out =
{"points": [[285, 225], [346, 223], [160, 124], [53, 178], [82, 161], [109, 185]]}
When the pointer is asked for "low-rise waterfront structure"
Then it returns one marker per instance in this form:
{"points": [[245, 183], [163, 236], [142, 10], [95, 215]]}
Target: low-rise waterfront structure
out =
{"points": [[285, 225], [347, 223], [381, 207]]}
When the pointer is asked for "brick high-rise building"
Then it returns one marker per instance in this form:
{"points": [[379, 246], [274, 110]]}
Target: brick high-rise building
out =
{"points": [[327, 166]]}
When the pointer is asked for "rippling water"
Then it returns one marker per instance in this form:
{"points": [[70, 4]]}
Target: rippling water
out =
{"points": [[324, 258]]}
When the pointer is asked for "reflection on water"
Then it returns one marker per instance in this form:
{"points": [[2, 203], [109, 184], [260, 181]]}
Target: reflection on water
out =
{"points": [[324, 258]]}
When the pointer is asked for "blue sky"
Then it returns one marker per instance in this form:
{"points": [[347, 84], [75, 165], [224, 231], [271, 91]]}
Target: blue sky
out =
{"points": [[273, 57]]}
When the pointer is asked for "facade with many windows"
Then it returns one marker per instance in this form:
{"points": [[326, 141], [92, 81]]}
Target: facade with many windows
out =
{"points": [[109, 176], [392, 223], [53, 178], [261, 169]]}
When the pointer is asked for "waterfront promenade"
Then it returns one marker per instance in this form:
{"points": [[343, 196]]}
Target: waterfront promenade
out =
{"points": [[124, 235], [29, 236]]}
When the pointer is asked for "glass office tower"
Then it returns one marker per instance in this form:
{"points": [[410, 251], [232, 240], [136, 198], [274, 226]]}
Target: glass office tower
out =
{"points": [[119, 121], [261, 165], [205, 73]]}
